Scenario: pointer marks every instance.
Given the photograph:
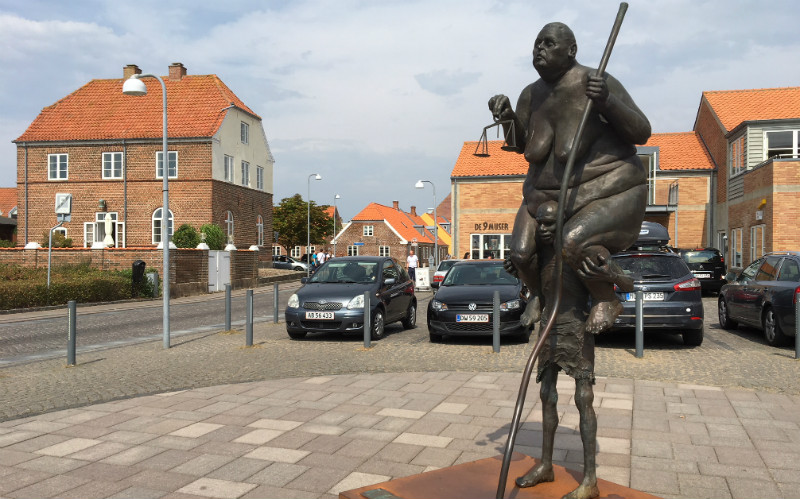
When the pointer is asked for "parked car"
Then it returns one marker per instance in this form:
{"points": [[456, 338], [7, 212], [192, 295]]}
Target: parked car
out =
{"points": [[763, 296], [333, 298], [287, 263], [441, 271], [672, 298], [463, 304], [708, 265]]}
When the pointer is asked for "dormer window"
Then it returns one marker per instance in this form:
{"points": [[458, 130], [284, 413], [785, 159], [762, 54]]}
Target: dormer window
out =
{"points": [[781, 144], [245, 132]]}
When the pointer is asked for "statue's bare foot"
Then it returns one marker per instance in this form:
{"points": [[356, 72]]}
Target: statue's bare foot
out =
{"points": [[602, 316], [584, 491], [538, 474], [531, 314]]}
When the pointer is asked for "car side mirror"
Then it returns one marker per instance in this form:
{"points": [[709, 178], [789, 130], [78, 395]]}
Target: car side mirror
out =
{"points": [[730, 276], [390, 281], [303, 280]]}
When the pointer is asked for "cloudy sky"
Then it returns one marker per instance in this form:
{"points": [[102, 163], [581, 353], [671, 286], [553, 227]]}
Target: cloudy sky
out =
{"points": [[376, 94]]}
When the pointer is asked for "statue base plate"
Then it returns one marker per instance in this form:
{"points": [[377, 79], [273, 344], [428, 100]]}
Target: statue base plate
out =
{"points": [[478, 480]]}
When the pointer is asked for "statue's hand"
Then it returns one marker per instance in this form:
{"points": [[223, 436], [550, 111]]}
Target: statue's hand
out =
{"points": [[589, 269], [501, 109], [597, 90], [509, 267]]}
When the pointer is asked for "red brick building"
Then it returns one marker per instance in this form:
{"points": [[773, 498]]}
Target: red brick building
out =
{"points": [[104, 149]]}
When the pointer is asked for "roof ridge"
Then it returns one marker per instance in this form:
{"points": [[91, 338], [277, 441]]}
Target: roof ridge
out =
{"points": [[748, 90]]}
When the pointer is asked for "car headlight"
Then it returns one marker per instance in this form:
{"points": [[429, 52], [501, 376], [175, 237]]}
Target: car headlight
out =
{"points": [[438, 306], [356, 302], [294, 301], [510, 305]]}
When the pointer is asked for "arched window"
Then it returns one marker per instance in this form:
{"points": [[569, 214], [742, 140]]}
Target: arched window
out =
{"points": [[157, 225], [260, 230], [229, 225]]}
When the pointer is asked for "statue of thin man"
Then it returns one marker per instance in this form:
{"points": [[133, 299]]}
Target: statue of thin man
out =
{"points": [[606, 202]]}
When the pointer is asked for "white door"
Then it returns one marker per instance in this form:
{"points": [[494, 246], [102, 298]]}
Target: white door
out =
{"points": [[219, 270]]}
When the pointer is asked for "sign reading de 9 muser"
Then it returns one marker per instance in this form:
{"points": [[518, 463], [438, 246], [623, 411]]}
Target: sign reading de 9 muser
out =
{"points": [[493, 226]]}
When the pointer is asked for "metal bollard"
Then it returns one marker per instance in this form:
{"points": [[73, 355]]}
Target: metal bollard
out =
{"points": [[496, 322], [72, 310], [249, 319], [227, 307], [796, 326], [367, 321], [639, 324], [275, 303]]}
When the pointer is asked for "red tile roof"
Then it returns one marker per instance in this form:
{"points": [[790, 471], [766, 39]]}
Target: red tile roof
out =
{"points": [[99, 110], [736, 106], [330, 210], [399, 220], [497, 163], [680, 151], [8, 200]]}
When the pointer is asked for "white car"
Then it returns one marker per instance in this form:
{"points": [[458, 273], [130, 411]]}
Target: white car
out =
{"points": [[441, 271]]}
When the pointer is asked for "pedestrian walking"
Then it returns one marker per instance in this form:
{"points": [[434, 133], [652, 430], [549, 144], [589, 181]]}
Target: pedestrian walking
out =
{"points": [[412, 262]]}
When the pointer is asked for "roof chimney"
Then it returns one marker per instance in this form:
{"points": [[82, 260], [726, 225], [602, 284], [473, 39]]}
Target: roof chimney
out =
{"points": [[130, 70], [396, 205], [176, 71], [413, 211]]}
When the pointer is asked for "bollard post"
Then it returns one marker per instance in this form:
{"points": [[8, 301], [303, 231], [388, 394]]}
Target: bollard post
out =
{"points": [[639, 324], [249, 319], [367, 320], [797, 324], [496, 322], [275, 303], [227, 307], [72, 308]]}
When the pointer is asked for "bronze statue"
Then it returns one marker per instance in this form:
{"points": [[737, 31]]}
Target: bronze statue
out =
{"points": [[604, 208]]}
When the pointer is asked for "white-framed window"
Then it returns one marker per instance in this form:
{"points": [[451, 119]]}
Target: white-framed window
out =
{"points": [[722, 243], [96, 231], [297, 252], [260, 178], [228, 168], [156, 224], [245, 173], [276, 250], [58, 166], [173, 164], [383, 251], [736, 247], [229, 225], [112, 165], [260, 230], [245, 133], [368, 230], [494, 246], [736, 156], [60, 230], [352, 250], [781, 144], [757, 241]]}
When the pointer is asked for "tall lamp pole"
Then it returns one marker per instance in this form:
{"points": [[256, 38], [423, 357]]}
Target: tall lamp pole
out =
{"points": [[334, 222], [135, 86], [421, 185], [316, 176]]}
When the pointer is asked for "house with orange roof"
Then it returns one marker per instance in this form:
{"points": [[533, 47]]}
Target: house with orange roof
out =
{"points": [[388, 231], [104, 150], [298, 251]]}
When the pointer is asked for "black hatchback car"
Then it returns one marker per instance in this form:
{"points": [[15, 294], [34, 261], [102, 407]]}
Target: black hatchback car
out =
{"points": [[463, 305], [672, 299], [708, 265], [332, 299], [763, 296]]}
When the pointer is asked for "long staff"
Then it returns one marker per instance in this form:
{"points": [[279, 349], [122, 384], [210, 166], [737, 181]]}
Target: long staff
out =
{"points": [[559, 264]]}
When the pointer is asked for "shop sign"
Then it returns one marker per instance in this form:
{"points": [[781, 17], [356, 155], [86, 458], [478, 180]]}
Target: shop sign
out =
{"points": [[494, 226]]}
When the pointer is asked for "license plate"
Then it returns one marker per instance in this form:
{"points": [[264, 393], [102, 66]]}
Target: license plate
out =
{"points": [[472, 318], [319, 315], [702, 275], [648, 296]]}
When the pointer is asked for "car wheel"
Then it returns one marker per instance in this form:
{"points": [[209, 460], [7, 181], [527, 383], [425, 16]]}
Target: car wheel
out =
{"points": [[299, 269], [378, 325], [297, 335], [693, 338], [410, 320], [724, 320], [772, 330]]}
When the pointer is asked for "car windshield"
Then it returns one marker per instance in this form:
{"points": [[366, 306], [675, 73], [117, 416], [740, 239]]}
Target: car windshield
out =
{"points": [[339, 271], [479, 274], [445, 265], [699, 256], [652, 266]]}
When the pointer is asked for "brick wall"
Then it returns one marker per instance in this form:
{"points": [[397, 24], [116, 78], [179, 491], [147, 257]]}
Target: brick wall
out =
{"points": [[382, 235], [713, 136], [485, 208]]}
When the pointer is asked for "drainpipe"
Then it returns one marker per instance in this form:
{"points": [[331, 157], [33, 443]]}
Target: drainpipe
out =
{"points": [[26, 192], [124, 193]]}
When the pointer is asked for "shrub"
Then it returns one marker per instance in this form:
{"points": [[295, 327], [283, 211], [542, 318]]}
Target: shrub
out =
{"points": [[186, 237], [215, 237], [59, 241], [6, 244]]}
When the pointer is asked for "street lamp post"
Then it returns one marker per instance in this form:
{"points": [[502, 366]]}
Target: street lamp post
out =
{"points": [[316, 176], [334, 222], [135, 86], [421, 185]]}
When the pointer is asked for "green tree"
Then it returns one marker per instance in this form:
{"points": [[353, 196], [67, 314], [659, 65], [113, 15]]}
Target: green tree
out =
{"points": [[215, 237], [186, 237], [290, 221]]}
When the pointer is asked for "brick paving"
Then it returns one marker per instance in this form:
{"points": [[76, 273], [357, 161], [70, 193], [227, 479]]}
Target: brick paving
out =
{"points": [[210, 418]]}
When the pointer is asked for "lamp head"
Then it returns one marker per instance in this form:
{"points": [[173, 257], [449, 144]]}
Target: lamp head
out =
{"points": [[134, 86], [337, 197], [318, 177], [419, 185]]}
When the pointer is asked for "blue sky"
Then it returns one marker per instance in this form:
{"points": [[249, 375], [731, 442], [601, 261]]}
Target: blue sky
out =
{"points": [[374, 95]]}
